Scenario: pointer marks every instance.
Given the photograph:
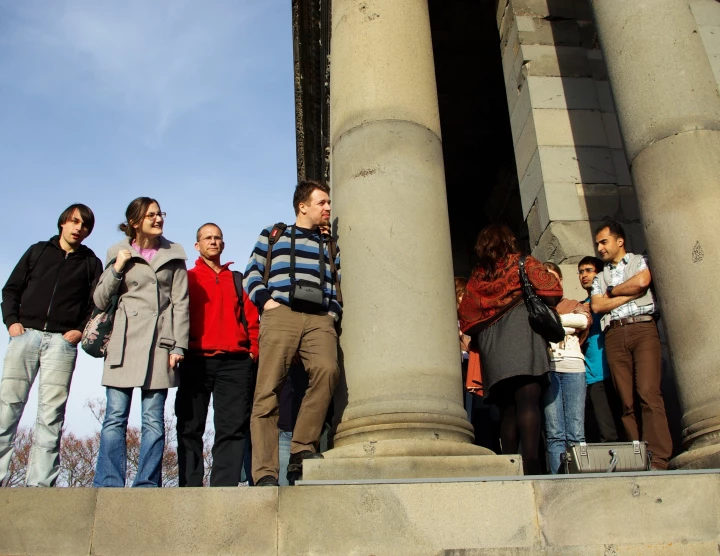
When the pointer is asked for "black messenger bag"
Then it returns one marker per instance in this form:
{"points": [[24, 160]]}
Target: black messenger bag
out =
{"points": [[306, 296], [605, 457]]}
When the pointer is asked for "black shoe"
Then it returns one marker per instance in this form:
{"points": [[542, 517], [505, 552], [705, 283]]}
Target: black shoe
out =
{"points": [[294, 468], [267, 481]]}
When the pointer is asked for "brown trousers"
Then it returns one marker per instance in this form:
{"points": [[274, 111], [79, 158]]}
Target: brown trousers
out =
{"points": [[633, 354], [284, 332]]}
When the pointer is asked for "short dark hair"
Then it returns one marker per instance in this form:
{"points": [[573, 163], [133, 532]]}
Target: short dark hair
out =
{"points": [[615, 229], [305, 189], [552, 266], [197, 234], [594, 261], [134, 213], [85, 213]]}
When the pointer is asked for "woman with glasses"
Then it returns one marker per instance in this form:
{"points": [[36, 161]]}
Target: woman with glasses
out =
{"points": [[148, 341]]}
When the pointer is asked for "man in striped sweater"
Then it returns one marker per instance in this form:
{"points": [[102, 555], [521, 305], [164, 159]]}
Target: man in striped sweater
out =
{"points": [[293, 322]]}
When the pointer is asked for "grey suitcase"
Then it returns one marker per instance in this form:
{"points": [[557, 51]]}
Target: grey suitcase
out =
{"points": [[606, 457]]}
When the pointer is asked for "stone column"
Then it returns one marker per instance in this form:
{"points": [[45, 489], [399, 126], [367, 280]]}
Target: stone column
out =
{"points": [[669, 112], [399, 341]]}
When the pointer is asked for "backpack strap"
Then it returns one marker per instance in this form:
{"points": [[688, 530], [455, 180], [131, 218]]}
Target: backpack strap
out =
{"points": [[332, 252], [277, 230], [35, 254], [238, 280]]}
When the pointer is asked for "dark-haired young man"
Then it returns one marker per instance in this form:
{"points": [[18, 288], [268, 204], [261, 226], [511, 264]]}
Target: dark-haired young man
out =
{"points": [[601, 396], [46, 303], [622, 294], [299, 309], [219, 363]]}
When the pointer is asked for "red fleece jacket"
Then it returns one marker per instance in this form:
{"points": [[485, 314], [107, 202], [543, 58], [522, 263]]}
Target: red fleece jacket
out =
{"points": [[215, 323]]}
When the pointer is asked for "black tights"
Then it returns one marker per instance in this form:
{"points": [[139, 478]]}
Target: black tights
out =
{"points": [[519, 401]]}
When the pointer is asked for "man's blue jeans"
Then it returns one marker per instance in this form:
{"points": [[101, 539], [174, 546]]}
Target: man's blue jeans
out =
{"points": [[53, 358], [112, 457], [564, 403]]}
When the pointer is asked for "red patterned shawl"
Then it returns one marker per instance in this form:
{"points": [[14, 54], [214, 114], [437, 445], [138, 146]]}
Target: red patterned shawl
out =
{"points": [[486, 301]]}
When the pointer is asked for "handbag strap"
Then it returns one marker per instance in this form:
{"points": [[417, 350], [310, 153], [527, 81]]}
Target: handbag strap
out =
{"points": [[527, 288]]}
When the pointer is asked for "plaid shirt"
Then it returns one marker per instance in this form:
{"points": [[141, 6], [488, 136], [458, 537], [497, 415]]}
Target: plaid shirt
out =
{"points": [[617, 277]]}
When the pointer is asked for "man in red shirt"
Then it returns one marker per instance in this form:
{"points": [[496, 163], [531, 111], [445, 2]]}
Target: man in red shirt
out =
{"points": [[222, 352]]}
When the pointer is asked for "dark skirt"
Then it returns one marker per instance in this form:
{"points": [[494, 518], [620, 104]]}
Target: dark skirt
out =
{"points": [[510, 348]]}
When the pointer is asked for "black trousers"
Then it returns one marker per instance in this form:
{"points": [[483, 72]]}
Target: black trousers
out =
{"points": [[602, 412], [228, 378]]}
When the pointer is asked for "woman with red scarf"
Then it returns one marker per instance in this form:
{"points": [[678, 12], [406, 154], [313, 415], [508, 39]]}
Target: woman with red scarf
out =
{"points": [[514, 359]]}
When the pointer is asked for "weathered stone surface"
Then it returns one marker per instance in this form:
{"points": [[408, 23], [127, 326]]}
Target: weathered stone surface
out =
{"points": [[706, 12], [577, 164], [412, 467], [556, 61], [663, 90], [612, 132], [599, 201], [620, 164], [565, 242], [571, 93], [676, 183], [629, 510], [406, 519], [531, 183], [543, 8], [186, 521], [526, 147], [598, 69], [558, 201], [604, 96], [520, 113], [582, 128], [39, 521], [542, 31]]}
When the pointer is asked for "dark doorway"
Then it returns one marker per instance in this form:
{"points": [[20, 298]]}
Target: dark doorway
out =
{"points": [[480, 172]]}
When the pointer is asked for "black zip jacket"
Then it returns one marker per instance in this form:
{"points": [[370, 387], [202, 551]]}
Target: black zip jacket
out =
{"points": [[58, 294]]}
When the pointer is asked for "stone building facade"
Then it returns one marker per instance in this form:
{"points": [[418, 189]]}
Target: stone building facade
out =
{"points": [[432, 118]]}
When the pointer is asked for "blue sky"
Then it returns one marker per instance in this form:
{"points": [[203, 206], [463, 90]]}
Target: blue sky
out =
{"points": [[100, 102]]}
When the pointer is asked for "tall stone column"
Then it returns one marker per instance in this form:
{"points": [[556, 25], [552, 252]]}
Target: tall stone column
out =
{"points": [[399, 341], [669, 112]]}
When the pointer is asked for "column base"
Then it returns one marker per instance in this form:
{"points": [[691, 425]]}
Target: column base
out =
{"points": [[412, 467], [410, 459], [707, 457]]}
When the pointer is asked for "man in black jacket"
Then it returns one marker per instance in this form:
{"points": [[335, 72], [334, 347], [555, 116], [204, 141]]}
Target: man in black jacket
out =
{"points": [[45, 305]]}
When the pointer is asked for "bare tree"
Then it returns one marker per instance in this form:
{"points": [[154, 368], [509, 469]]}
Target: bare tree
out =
{"points": [[21, 456], [78, 455]]}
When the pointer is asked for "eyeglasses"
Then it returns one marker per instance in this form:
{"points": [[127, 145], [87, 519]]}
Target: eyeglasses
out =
{"points": [[582, 271], [154, 215]]}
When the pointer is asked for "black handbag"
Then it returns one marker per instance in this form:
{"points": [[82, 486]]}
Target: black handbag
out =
{"points": [[543, 320]]}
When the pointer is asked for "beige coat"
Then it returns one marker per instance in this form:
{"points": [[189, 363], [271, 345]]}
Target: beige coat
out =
{"points": [[152, 317]]}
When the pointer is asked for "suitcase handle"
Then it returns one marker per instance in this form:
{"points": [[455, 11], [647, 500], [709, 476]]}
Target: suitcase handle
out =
{"points": [[613, 461]]}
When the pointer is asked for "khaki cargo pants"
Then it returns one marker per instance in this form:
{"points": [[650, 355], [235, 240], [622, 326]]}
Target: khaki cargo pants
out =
{"points": [[284, 332]]}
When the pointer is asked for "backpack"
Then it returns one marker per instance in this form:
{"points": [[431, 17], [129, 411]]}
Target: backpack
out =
{"points": [[238, 279], [278, 230]]}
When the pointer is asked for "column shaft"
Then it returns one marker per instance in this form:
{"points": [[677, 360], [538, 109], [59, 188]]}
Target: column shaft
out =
{"points": [[399, 341], [669, 113]]}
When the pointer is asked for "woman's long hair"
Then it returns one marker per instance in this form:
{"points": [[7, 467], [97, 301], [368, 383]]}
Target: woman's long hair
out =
{"points": [[135, 213], [494, 244]]}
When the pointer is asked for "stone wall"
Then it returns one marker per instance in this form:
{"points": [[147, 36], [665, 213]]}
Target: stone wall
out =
{"points": [[570, 159], [669, 514]]}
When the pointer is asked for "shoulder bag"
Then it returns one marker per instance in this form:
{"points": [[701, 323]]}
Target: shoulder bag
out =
{"points": [[543, 320], [97, 331]]}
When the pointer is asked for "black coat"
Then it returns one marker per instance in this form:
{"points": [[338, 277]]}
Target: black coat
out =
{"points": [[57, 295]]}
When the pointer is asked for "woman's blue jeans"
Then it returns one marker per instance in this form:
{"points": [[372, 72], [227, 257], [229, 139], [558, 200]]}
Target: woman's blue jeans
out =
{"points": [[564, 404], [112, 457]]}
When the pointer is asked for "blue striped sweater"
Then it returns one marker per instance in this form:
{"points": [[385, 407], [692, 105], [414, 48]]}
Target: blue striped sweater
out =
{"points": [[307, 267]]}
